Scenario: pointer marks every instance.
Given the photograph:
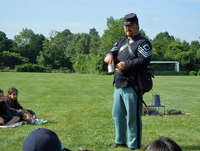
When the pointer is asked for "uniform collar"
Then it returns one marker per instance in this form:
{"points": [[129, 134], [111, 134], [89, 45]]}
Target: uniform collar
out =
{"points": [[135, 37]]}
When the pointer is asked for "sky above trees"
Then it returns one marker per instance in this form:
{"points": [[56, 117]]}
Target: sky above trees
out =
{"points": [[179, 18]]}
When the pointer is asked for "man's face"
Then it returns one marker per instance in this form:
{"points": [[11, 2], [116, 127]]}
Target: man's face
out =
{"points": [[13, 95], [131, 30], [1, 97]]}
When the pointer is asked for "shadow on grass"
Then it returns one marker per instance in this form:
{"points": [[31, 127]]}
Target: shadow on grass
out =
{"points": [[192, 147], [51, 122], [154, 111]]}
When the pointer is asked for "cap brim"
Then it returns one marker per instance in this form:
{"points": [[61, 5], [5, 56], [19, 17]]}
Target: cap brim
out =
{"points": [[65, 149], [128, 23]]}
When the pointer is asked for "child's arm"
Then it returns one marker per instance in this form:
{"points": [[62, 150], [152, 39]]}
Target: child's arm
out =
{"points": [[15, 119], [27, 112], [14, 112], [27, 118], [1, 121]]}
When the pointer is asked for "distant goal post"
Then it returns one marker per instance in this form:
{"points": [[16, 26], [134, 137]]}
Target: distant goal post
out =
{"points": [[176, 68]]}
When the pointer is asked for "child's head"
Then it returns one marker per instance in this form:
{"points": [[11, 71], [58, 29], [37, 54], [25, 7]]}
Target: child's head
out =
{"points": [[43, 139], [163, 144], [1, 95], [13, 93]]}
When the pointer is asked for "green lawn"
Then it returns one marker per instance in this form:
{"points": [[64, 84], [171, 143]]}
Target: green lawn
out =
{"points": [[78, 108]]}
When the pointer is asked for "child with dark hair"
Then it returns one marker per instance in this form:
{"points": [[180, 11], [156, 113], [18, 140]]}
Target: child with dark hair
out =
{"points": [[11, 99], [7, 116], [43, 139], [163, 144]]}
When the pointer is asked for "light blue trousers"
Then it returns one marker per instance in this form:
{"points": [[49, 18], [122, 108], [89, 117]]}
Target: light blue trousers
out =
{"points": [[127, 114]]}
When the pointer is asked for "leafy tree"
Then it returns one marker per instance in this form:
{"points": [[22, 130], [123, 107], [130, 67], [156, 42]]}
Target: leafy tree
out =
{"points": [[95, 45], [7, 57], [52, 55], [24, 37], [45, 56], [195, 55], [30, 68], [53, 50], [178, 51], [83, 50], [10, 59], [87, 51], [174, 49], [142, 32], [2, 65], [112, 34], [90, 64], [95, 41], [80, 44], [5, 43], [29, 44], [100, 65], [83, 44], [81, 63], [162, 36], [188, 55], [63, 38], [93, 32], [160, 44], [35, 46]]}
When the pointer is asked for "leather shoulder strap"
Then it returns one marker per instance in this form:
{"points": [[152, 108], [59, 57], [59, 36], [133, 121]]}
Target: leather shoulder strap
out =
{"points": [[124, 46], [129, 49]]}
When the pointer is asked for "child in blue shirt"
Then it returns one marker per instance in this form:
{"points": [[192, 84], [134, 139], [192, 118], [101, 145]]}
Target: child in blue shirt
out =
{"points": [[7, 116]]}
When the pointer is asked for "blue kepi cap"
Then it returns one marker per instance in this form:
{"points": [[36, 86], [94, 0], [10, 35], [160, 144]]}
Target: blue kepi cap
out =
{"points": [[42, 139], [130, 19]]}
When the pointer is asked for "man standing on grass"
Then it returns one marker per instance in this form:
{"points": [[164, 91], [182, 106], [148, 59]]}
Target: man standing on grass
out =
{"points": [[127, 108]]}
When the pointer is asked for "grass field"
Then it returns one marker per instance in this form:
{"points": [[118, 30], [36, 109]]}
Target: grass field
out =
{"points": [[78, 108]]}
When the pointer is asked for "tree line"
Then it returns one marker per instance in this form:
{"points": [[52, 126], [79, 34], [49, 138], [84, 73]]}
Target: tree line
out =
{"points": [[85, 52]]}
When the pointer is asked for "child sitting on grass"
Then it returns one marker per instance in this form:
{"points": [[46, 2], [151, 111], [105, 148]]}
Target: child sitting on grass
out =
{"points": [[7, 116], [11, 99]]}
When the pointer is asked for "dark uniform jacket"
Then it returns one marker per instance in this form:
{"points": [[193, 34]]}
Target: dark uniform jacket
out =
{"points": [[7, 113], [18, 107], [142, 49]]}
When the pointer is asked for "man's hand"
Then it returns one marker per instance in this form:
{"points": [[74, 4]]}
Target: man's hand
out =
{"points": [[121, 66], [108, 59]]}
